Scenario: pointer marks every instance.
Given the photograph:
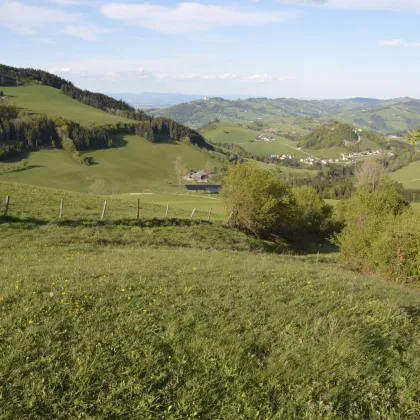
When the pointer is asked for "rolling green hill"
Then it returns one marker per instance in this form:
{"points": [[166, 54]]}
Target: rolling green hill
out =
{"points": [[39, 99], [389, 116], [409, 176], [130, 168], [223, 133], [330, 135]]}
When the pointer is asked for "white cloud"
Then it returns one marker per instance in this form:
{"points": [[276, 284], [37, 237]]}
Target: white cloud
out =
{"points": [[392, 5], [86, 32], [391, 43], [398, 43], [258, 78], [25, 19], [189, 17], [223, 76]]}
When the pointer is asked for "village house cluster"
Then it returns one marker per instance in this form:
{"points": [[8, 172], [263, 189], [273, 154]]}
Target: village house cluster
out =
{"points": [[264, 137], [348, 156], [312, 160], [281, 157]]}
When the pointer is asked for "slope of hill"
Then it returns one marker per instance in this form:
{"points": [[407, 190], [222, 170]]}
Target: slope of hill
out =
{"points": [[409, 176], [386, 116], [220, 133], [134, 166], [330, 135], [40, 99], [182, 321]]}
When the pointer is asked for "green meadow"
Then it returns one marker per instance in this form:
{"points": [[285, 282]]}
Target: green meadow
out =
{"points": [[170, 319], [409, 176], [40, 99], [136, 166]]}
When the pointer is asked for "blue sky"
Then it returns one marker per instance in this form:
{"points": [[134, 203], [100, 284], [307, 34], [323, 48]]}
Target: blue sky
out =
{"points": [[275, 48]]}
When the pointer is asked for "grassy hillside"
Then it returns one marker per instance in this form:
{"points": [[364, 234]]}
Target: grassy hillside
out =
{"points": [[219, 133], [125, 319], [131, 168], [390, 116], [40, 99], [408, 176]]}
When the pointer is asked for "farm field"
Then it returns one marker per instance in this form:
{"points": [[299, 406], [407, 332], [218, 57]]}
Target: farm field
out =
{"points": [[183, 201], [132, 168], [409, 176], [156, 319], [47, 100], [236, 134]]}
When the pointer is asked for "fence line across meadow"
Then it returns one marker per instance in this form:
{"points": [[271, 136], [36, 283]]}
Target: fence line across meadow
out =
{"points": [[102, 212]]}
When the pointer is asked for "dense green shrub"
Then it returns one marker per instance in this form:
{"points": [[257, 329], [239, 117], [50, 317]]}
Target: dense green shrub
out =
{"points": [[312, 213], [381, 233], [260, 203]]}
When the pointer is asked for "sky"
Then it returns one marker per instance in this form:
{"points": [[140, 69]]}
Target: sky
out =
{"points": [[309, 49]]}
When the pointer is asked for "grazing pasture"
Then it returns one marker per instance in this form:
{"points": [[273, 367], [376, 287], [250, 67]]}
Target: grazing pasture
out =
{"points": [[38, 99]]}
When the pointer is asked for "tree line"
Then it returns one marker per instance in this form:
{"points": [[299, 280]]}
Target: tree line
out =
{"points": [[20, 131]]}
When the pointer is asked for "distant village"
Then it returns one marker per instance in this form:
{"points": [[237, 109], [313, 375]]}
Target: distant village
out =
{"points": [[345, 157], [264, 137]]}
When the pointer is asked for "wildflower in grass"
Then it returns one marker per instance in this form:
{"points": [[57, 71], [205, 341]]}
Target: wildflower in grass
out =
{"points": [[128, 297], [30, 322], [122, 290]]}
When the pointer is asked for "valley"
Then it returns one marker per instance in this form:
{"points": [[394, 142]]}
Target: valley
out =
{"points": [[291, 294]]}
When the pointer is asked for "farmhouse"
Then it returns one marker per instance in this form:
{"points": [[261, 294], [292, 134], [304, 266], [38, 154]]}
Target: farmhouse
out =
{"points": [[201, 175], [264, 137]]}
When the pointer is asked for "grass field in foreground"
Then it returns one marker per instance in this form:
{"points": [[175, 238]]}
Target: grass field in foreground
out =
{"points": [[409, 176], [124, 322], [47, 100], [170, 320], [31, 202], [135, 167]]}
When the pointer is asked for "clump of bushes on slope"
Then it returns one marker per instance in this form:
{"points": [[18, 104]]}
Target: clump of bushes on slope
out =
{"points": [[330, 135], [381, 233], [263, 204]]}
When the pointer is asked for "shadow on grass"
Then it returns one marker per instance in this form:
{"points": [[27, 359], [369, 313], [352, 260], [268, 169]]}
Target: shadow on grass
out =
{"points": [[143, 223], [25, 168]]}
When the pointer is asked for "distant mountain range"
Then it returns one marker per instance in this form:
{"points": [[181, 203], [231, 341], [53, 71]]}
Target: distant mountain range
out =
{"points": [[150, 100], [385, 116]]}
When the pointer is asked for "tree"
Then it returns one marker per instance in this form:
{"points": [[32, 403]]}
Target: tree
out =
{"points": [[414, 137], [259, 201], [312, 212], [370, 173], [181, 169]]}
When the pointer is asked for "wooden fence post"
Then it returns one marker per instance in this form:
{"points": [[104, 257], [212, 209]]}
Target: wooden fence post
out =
{"points": [[138, 208], [61, 208], [6, 208], [103, 211], [208, 219], [167, 210], [192, 214]]}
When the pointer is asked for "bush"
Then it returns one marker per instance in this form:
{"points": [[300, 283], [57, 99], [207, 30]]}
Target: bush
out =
{"points": [[84, 160], [260, 203], [381, 233], [312, 213], [396, 252]]}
